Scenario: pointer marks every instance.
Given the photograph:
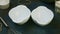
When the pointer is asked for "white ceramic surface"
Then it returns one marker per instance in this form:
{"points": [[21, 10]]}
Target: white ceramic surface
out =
{"points": [[57, 4], [4, 4], [19, 14], [42, 15]]}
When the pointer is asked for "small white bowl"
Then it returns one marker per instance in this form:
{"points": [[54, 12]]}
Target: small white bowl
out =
{"points": [[42, 15], [20, 14], [4, 4], [57, 4]]}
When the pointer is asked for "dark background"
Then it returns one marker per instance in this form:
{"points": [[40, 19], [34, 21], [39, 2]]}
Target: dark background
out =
{"points": [[30, 27]]}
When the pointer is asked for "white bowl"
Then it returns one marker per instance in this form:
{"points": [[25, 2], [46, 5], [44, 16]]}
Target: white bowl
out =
{"points": [[20, 14], [57, 4], [4, 4], [42, 15]]}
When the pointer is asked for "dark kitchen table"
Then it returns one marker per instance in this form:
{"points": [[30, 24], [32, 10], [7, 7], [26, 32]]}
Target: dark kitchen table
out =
{"points": [[30, 27]]}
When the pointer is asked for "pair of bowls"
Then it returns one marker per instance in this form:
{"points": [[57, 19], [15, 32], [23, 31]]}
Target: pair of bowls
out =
{"points": [[21, 14]]}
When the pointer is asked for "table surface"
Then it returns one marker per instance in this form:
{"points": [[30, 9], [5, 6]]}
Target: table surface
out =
{"points": [[30, 27]]}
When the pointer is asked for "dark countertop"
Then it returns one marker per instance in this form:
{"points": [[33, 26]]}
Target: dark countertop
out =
{"points": [[30, 27]]}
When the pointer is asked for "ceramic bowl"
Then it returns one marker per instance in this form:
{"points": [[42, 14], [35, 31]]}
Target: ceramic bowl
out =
{"points": [[42, 15], [20, 14], [4, 4]]}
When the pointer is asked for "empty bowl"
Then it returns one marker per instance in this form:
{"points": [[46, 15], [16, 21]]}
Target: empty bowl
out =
{"points": [[42, 15], [20, 14], [57, 5], [4, 4]]}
